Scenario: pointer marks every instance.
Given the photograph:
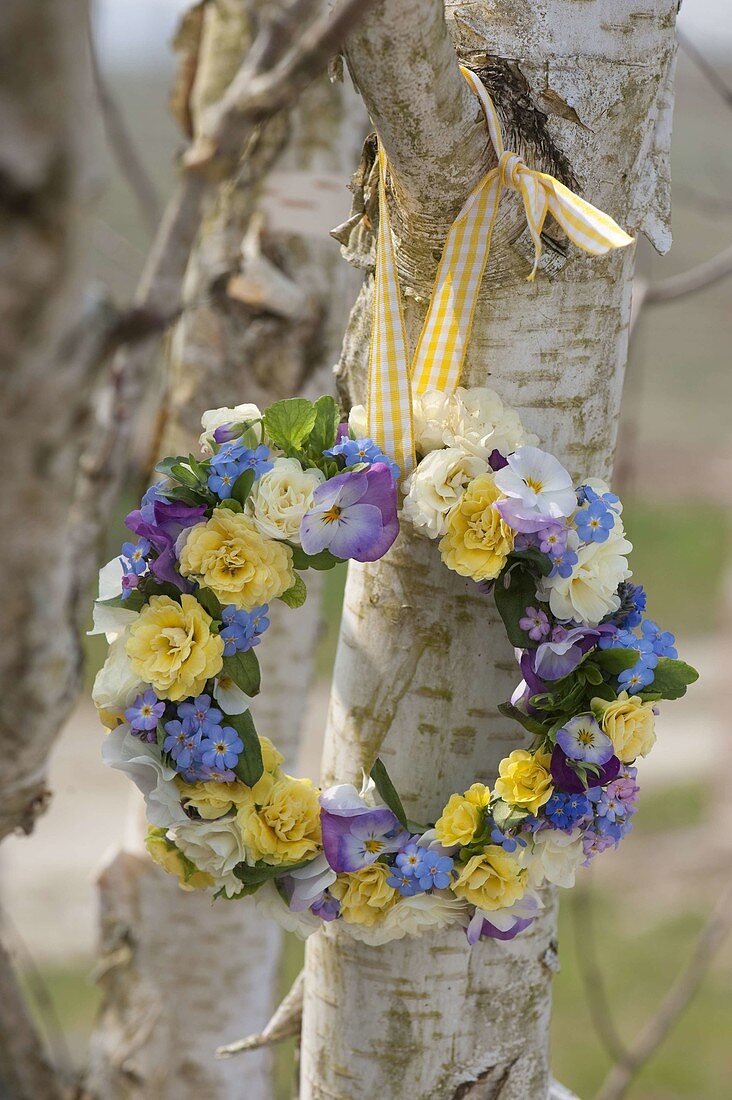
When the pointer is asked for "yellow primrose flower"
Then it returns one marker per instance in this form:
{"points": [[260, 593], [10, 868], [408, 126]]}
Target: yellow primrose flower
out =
{"points": [[628, 722], [477, 541], [493, 879], [212, 800], [280, 823], [365, 895], [171, 647], [462, 815], [240, 566], [172, 860], [271, 757], [525, 780]]}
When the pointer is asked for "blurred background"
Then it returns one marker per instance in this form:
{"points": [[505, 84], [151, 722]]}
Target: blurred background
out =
{"points": [[645, 904]]}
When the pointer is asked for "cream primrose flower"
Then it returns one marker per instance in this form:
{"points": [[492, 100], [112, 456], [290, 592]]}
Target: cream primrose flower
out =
{"points": [[554, 856], [281, 498], [538, 487], [153, 778], [214, 847], [412, 916], [479, 422], [301, 922], [358, 422], [110, 621], [216, 418], [116, 685], [431, 412], [436, 485], [590, 592]]}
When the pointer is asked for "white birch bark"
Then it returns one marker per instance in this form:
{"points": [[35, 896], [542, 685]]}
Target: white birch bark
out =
{"points": [[584, 91], [182, 975]]}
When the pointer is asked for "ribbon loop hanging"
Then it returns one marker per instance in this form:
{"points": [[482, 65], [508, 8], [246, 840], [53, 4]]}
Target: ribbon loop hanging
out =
{"points": [[440, 352]]}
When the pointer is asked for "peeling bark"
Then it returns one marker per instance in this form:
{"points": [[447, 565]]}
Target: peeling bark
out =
{"points": [[271, 302], [423, 659]]}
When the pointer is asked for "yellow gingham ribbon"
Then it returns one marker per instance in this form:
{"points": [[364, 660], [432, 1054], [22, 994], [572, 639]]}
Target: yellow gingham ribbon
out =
{"points": [[438, 359]]}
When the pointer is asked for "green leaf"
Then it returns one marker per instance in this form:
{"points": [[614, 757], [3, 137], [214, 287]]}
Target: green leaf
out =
{"points": [[243, 669], [249, 767], [186, 496], [198, 468], [134, 601], [323, 560], [231, 505], [534, 559], [209, 602], [672, 677], [288, 423], [508, 710], [592, 674], [295, 596], [166, 464], [242, 487], [160, 735], [185, 475], [615, 661], [388, 792], [506, 816], [514, 591], [325, 430], [261, 872]]}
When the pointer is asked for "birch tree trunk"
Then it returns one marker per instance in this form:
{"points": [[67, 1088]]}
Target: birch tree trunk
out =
{"points": [[45, 388], [266, 321], [584, 92]]}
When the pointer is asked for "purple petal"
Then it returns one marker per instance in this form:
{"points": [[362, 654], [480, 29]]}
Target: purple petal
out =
{"points": [[566, 778], [342, 834], [557, 659], [526, 520], [356, 532], [490, 930]]}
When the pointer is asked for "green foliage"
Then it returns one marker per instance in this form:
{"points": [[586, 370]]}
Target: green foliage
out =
{"points": [[249, 767], [297, 594], [288, 423], [671, 678], [388, 791], [243, 669], [323, 560], [514, 591], [242, 487]]}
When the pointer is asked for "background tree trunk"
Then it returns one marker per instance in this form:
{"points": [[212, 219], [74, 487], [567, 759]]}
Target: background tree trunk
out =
{"points": [[43, 94], [585, 92], [265, 320]]}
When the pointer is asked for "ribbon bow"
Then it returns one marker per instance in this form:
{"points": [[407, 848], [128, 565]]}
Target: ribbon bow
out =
{"points": [[440, 352]]}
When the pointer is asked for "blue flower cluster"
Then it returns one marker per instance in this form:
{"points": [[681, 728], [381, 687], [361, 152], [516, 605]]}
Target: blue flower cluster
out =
{"points": [[419, 869], [652, 643], [243, 629], [201, 748], [231, 461], [356, 451], [565, 811]]}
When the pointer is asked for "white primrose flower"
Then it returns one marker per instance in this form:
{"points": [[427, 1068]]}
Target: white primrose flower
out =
{"points": [[358, 422], [110, 621], [431, 413], [553, 856], [436, 485], [213, 846], [303, 923], [216, 418], [229, 696], [590, 591], [538, 487], [281, 498], [480, 423], [413, 916], [116, 685], [153, 778]]}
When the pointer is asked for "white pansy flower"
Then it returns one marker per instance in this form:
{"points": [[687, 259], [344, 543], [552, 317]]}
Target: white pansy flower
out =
{"points": [[153, 778], [554, 857], [215, 847], [216, 418], [110, 620], [480, 423], [538, 487], [269, 902], [590, 592], [116, 685], [229, 696], [309, 882], [413, 917], [436, 485], [281, 498], [431, 413], [358, 422]]}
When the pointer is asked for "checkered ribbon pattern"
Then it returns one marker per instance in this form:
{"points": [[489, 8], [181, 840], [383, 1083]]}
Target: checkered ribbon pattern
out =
{"points": [[438, 358]]}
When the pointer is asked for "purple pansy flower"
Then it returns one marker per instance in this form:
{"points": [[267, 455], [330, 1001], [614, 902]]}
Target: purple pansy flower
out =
{"points": [[504, 924], [582, 739], [566, 778], [354, 515], [355, 834], [161, 521]]}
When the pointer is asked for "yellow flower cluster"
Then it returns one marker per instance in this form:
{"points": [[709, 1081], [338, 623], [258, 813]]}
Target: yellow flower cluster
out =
{"points": [[171, 647], [462, 815], [525, 780], [240, 566], [280, 822], [629, 724], [477, 541], [492, 879], [365, 895]]}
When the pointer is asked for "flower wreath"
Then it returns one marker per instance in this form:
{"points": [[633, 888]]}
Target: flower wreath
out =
{"points": [[185, 606]]}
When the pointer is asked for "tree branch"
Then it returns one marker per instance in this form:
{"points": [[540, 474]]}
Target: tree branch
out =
{"points": [[430, 123], [25, 1072]]}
